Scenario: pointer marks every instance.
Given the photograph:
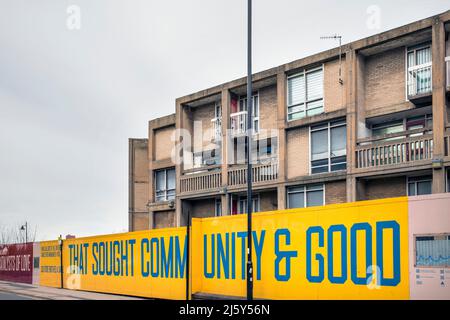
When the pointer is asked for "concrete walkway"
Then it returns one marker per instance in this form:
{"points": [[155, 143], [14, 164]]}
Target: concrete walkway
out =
{"points": [[11, 289]]}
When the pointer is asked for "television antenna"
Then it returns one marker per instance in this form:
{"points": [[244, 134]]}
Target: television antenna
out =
{"points": [[339, 38]]}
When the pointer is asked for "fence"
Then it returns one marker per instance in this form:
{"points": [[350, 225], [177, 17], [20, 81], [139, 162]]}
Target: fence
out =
{"points": [[361, 250]]}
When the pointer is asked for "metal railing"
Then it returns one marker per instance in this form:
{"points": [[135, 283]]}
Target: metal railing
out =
{"points": [[260, 173], [238, 122], [201, 181], [381, 153], [419, 79], [217, 128]]}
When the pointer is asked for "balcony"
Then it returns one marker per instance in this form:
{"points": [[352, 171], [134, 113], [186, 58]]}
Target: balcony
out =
{"points": [[238, 123], [261, 173], [419, 83], [202, 181], [216, 129], [395, 149]]}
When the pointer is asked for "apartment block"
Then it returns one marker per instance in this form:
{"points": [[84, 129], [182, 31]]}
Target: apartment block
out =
{"points": [[368, 120]]}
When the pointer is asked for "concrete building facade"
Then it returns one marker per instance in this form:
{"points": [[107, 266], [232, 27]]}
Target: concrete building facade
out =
{"points": [[369, 124]]}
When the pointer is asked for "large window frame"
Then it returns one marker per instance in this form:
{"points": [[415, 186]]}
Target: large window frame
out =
{"points": [[334, 161], [305, 189], [301, 107], [412, 68], [166, 193], [415, 181]]}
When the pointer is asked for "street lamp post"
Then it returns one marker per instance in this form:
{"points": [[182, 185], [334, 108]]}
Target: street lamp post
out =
{"points": [[249, 152]]}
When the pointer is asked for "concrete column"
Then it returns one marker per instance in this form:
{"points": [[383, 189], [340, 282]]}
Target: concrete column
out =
{"points": [[225, 125], [281, 195], [181, 121], [282, 143], [439, 106], [351, 83]]}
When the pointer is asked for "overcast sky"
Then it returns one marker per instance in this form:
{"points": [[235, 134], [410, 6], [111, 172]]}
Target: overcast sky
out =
{"points": [[71, 98]]}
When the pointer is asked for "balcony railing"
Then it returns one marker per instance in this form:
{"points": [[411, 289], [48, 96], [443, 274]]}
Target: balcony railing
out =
{"points": [[238, 122], [394, 152], [217, 128], [201, 181], [260, 173], [419, 79], [447, 62]]}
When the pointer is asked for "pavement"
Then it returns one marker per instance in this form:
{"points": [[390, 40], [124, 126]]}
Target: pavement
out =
{"points": [[21, 291]]}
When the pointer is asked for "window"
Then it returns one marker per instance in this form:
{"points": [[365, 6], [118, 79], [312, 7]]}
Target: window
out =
{"points": [[433, 251], [266, 149], [448, 179], [305, 196], [328, 147], [387, 128], [165, 185], [255, 110], [206, 158], [419, 69], [305, 94], [243, 204], [419, 185], [218, 207], [411, 123]]}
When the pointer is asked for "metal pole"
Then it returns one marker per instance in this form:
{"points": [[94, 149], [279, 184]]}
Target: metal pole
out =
{"points": [[187, 244], [26, 232], [249, 152], [61, 246]]}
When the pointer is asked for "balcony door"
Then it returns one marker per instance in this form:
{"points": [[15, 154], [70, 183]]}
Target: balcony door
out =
{"points": [[419, 70]]}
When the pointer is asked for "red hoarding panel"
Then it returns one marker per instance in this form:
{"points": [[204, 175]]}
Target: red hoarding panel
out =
{"points": [[16, 262]]}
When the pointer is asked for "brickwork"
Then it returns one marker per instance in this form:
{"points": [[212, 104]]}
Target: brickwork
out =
{"points": [[335, 192], [268, 108], [140, 221], [334, 92], [385, 81], [163, 143], [384, 188], [298, 152], [164, 219]]}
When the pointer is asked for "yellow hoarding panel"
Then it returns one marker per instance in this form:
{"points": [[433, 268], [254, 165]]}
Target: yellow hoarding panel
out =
{"points": [[346, 251], [50, 264], [145, 263]]}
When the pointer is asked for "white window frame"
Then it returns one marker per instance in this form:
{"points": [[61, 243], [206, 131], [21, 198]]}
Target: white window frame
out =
{"points": [[407, 51], [254, 119], [166, 191], [424, 179], [305, 186], [244, 199], [328, 128], [305, 101]]}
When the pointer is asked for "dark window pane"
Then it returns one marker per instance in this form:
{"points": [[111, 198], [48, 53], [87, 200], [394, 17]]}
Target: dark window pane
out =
{"points": [[338, 141], [171, 179], [411, 189], [314, 198], [160, 180], [337, 167], [296, 200], [319, 170], [319, 144], [423, 187]]}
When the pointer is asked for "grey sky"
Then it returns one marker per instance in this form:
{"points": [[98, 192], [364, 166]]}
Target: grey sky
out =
{"points": [[69, 99]]}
